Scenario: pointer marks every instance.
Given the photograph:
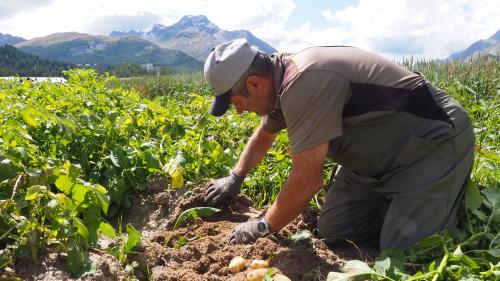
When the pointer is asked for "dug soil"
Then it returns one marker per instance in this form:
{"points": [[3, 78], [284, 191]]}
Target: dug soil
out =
{"points": [[207, 253]]}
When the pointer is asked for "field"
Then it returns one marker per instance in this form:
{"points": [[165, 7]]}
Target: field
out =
{"points": [[95, 173]]}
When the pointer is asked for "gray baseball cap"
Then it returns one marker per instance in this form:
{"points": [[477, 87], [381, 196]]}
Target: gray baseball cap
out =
{"points": [[224, 66]]}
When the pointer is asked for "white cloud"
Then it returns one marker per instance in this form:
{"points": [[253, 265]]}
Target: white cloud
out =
{"points": [[430, 28], [328, 15], [425, 28], [10, 8], [397, 28], [139, 21], [82, 16]]}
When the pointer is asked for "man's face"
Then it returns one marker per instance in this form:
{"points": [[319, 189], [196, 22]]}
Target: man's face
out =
{"points": [[260, 99]]}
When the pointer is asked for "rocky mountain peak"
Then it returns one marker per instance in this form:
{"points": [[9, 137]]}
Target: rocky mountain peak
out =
{"points": [[197, 20], [485, 47], [195, 35], [495, 36], [9, 39], [158, 26]]}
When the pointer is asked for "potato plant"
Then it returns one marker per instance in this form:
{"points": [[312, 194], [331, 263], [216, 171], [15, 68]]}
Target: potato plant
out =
{"points": [[73, 155]]}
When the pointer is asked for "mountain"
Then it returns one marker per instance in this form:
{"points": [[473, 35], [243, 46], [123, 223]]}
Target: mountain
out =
{"points": [[195, 35], [9, 39], [82, 48], [485, 47], [126, 33], [14, 62]]}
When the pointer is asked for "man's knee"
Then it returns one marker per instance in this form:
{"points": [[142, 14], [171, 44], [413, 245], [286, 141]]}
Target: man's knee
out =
{"points": [[331, 232], [326, 227], [340, 234]]}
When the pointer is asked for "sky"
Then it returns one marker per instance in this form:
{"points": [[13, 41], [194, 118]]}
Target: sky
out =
{"points": [[393, 28]]}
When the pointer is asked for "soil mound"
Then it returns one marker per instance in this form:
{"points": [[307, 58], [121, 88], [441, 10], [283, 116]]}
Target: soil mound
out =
{"points": [[199, 249]]}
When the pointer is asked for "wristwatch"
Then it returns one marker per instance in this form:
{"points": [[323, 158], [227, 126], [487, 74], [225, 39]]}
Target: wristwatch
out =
{"points": [[263, 227]]}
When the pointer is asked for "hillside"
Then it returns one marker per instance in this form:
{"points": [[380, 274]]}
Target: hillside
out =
{"points": [[9, 39], [486, 47], [194, 35], [181, 47], [102, 50], [14, 62]]}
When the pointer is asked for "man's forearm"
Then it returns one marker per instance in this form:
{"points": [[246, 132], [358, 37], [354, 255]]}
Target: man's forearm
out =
{"points": [[257, 146], [291, 201], [305, 180]]}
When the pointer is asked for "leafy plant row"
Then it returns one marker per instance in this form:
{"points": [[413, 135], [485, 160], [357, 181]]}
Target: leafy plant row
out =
{"points": [[72, 156]]}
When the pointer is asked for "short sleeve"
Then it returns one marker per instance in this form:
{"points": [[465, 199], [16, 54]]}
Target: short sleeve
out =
{"points": [[274, 122], [312, 108]]}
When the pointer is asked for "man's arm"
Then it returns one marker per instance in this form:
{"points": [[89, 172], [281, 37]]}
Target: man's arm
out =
{"points": [[220, 190], [257, 146], [305, 180]]}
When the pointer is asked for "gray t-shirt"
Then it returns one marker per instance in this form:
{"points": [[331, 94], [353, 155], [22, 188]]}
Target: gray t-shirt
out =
{"points": [[321, 89]]}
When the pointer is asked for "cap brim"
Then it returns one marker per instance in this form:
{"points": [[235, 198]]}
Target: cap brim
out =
{"points": [[220, 104]]}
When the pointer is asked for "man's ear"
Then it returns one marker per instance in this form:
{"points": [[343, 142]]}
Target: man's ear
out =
{"points": [[253, 81]]}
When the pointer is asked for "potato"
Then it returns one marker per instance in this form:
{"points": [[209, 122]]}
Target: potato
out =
{"points": [[281, 277], [236, 264], [259, 264], [256, 274]]}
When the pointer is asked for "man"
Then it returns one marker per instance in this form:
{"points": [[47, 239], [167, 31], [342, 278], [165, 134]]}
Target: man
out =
{"points": [[405, 148]]}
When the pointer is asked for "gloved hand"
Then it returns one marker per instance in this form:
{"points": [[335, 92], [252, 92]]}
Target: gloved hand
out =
{"points": [[246, 233], [222, 189]]}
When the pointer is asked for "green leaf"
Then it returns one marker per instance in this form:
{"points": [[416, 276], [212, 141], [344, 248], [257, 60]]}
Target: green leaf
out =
{"points": [[193, 213], [432, 265], [81, 229], [494, 252], [492, 194], [152, 161], [355, 265], [33, 191], [100, 189], [433, 241], [350, 271], [301, 236], [181, 242], [107, 229], [122, 157], [473, 197], [382, 265], [28, 119], [390, 266], [92, 219], [269, 275], [78, 262], [8, 170], [468, 262], [65, 202], [64, 184], [74, 171], [393, 253], [78, 193], [20, 153], [103, 197], [493, 197], [134, 237]]}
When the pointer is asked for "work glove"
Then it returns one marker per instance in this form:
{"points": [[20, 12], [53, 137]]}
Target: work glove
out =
{"points": [[246, 233], [223, 189]]}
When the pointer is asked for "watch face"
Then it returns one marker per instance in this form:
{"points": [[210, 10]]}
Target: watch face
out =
{"points": [[261, 226]]}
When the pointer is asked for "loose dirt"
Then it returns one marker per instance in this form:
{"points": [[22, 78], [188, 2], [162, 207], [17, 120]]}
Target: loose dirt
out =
{"points": [[207, 254]]}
